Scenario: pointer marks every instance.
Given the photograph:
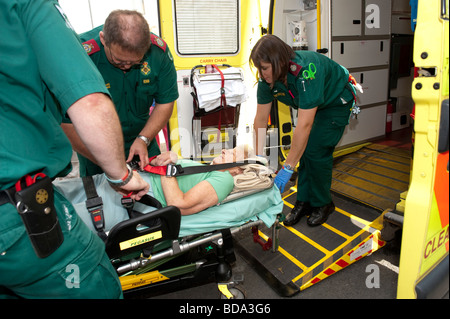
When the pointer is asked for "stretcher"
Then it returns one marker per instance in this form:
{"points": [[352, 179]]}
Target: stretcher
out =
{"points": [[159, 251]]}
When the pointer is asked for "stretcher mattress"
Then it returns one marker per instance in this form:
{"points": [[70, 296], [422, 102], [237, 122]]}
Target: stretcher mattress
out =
{"points": [[264, 205]]}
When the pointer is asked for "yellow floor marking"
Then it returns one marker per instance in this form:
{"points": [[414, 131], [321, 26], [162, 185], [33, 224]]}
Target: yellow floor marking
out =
{"points": [[285, 253], [334, 230], [308, 240], [356, 218]]}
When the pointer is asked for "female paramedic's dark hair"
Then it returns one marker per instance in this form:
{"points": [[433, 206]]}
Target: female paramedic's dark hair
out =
{"points": [[273, 50]]}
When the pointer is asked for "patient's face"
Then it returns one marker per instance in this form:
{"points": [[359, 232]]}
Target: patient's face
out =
{"points": [[228, 156]]}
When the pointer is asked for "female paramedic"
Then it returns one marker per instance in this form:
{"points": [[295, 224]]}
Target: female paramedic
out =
{"points": [[320, 89]]}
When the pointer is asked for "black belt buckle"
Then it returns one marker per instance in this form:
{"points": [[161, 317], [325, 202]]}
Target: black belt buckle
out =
{"points": [[35, 205], [127, 202], [95, 208], [174, 170], [134, 164]]}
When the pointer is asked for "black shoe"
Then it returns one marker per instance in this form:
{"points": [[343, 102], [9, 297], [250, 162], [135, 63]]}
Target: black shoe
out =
{"points": [[319, 215], [300, 209]]}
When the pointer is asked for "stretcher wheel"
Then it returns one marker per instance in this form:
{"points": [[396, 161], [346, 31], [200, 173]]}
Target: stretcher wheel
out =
{"points": [[238, 293]]}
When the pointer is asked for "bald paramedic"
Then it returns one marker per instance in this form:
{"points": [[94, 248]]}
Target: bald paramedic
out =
{"points": [[46, 251], [138, 69]]}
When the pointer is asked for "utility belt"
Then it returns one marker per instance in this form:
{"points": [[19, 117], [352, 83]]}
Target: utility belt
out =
{"points": [[33, 198]]}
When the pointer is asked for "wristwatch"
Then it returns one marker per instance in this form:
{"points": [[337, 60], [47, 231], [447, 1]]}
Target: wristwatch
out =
{"points": [[145, 139], [288, 167], [123, 181]]}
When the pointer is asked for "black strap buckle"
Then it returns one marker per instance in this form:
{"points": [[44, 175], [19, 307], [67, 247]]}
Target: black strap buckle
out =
{"points": [[94, 205], [128, 204], [95, 208], [174, 170], [134, 164]]}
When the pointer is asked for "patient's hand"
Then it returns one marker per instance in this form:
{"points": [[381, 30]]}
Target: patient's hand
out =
{"points": [[165, 159]]}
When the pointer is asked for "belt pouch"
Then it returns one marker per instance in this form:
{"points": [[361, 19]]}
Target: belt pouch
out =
{"points": [[35, 205]]}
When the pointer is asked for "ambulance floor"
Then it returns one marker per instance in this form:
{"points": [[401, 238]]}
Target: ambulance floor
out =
{"points": [[375, 175]]}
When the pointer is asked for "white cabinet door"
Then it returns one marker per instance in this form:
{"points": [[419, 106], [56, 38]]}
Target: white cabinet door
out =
{"points": [[357, 54], [374, 84], [346, 18]]}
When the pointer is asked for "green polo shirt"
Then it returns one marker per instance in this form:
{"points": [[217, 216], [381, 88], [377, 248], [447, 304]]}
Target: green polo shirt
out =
{"points": [[133, 92], [42, 60], [324, 91]]}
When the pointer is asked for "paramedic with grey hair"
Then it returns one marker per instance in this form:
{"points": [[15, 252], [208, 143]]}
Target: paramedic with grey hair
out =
{"points": [[137, 68], [46, 251]]}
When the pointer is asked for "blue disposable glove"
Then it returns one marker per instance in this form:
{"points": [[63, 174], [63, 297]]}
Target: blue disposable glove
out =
{"points": [[282, 178]]}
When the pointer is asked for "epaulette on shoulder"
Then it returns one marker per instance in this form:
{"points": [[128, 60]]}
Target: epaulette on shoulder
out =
{"points": [[294, 68], [91, 47], [158, 42]]}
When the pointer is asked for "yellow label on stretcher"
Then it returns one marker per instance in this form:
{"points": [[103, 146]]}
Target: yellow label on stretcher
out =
{"points": [[130, 282], [140, 240]]}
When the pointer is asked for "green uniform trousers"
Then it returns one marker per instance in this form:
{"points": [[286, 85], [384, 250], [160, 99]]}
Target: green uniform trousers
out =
{"points": [[79, 268], [316, 164]]}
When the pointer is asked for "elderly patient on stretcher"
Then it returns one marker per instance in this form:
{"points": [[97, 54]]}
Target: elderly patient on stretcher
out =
{"points": [[190, 193]]}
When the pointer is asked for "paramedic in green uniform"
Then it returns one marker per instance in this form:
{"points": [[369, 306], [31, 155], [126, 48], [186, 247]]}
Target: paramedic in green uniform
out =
{"points": [[37, 41], [138, 68], [319, 88]]}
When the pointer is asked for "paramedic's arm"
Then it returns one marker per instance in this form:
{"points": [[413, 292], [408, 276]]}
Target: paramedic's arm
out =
{"points": [[301, 135], [198, 198], [260, 126], [77, 145], [98, 127], [156, 122]]}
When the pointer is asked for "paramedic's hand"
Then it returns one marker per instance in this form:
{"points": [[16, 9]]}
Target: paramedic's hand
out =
{"points": [[282, 178], [139, 148], [164, 159], [135, 188]]}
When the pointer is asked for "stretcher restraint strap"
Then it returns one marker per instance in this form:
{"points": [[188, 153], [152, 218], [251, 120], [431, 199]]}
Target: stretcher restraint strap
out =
{"points": [[94, 205], [173, 170], [128, 204]]}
